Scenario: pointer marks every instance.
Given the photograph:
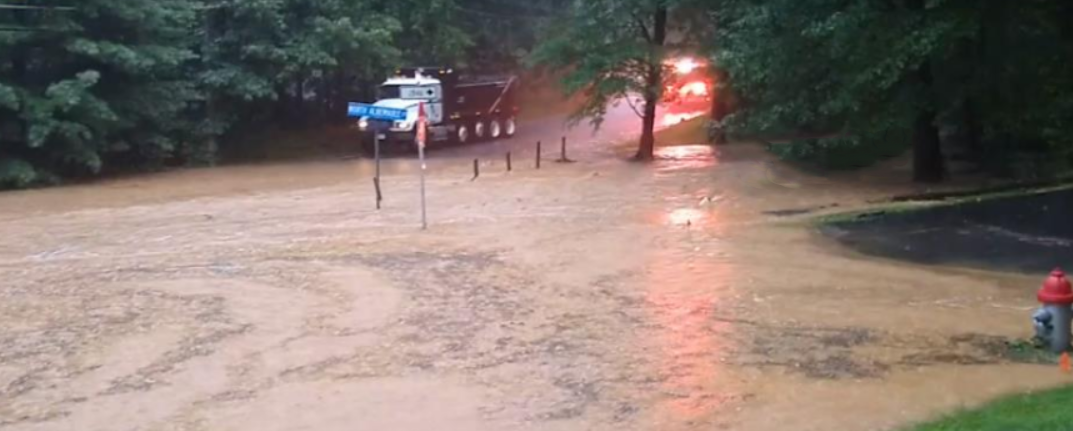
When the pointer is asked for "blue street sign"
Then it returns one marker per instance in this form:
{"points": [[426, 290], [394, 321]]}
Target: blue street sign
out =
{"points": [[375, 112]]}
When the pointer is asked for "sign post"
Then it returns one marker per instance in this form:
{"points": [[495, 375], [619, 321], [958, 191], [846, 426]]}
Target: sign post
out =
{"points": [[375, 125], [421, 137], [379, 117], [376, 147]]}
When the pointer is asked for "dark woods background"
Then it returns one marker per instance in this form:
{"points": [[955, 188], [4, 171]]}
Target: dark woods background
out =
{"points": [[97, 86]]}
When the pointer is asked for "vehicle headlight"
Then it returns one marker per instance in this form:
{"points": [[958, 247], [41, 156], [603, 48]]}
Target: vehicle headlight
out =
{"points": [[363, 124]]}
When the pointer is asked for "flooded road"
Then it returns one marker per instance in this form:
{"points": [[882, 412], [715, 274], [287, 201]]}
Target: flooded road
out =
{"points": [[584, 143], [596, 295]]}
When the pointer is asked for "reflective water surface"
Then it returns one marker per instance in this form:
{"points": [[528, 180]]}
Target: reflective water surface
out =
{"points": [[595, 295]]}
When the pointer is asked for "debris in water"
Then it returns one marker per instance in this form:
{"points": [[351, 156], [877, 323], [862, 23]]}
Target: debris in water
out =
{"points": [[709, 200]]}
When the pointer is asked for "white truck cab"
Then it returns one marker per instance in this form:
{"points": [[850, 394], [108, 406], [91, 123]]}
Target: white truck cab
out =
{"points": [[459, 111]]}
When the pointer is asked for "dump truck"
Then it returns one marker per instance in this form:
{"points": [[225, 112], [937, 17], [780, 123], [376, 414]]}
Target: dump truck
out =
{"points": [[459, 109]]}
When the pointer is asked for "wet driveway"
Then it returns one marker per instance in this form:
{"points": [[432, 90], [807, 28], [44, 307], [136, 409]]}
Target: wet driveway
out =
{"points": [[1031, 234]]}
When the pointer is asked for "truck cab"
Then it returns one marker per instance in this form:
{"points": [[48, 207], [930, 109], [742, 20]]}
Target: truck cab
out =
{"points": [[457, 109]]}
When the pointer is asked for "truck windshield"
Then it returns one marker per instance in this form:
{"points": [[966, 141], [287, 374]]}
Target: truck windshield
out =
{"points": [[389, 92], [409, 92]]}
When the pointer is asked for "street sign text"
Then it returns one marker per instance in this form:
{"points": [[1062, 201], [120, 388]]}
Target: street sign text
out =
{"points": [[375, 112]]}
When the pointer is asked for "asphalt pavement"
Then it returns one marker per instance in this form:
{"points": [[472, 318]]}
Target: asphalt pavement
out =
{"points": [[1031, 234]]}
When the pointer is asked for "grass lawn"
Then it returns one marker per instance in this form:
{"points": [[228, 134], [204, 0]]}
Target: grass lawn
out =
{"points": [[1041, 411], [690, 132]]}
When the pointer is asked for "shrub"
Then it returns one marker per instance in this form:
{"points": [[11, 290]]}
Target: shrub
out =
{"points": [[841, 152]]}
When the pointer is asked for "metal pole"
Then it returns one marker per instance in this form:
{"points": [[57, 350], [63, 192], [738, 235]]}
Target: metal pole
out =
{"points": [[508, 162], [563, 155], [476, 169], [421, 156], [376, 149], [376, 154]]}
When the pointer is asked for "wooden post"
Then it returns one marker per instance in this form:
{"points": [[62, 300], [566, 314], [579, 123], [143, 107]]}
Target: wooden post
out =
{"points": [[376, 146], [379, 197], [562, 153], [376, 151], [508, 162], [476, 169], [538, 155]]}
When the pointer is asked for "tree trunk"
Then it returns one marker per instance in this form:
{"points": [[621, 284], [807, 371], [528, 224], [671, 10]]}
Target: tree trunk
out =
{"points": [[647, 149], [928, 164], [972, 127], [653, 86], [280, 109], [19, 69], [720, 106], [210, 92], [299, 100], [1066, 12]]}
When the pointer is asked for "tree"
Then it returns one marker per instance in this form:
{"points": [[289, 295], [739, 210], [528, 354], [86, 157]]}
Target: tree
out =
{"points": [[120, 84], [1008, 88], [83, 86], [504, 32], [285, 52], [901, 69], [859, 68], [612, 51], [432, 31]]}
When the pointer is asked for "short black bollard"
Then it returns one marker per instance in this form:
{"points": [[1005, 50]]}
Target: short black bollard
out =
{"points": [[538, 155], [476, 169], [508, 162], [379, 197], [562, 153]]}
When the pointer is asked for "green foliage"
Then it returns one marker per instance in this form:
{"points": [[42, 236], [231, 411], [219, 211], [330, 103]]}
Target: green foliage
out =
{"points": [[612, 52], [1046, 410], [839, 153], [605, 49], [128, 84], [503, 33], [9, 98], [103, 82], [825, 64], [16, 173], [430, 30], [995, 71]]}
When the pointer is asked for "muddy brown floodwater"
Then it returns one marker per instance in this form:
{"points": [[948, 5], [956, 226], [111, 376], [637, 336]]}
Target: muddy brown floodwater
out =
{"points": [[597, 295]]}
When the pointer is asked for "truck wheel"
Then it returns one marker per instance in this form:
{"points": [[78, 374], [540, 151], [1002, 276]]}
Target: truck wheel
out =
{"points": [[462, 134], [479, 130], [495, 129], [510, 126]]}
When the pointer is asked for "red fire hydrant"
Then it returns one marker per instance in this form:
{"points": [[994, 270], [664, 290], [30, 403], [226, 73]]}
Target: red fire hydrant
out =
{"points": [[1053, 320]]}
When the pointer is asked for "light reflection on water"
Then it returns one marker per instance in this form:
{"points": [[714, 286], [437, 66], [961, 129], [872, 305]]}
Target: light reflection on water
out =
{"points": [[686, 280], [681, 157], [680, 300], [686, 217]]}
